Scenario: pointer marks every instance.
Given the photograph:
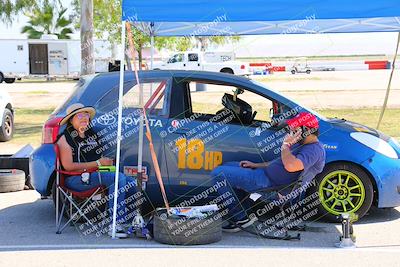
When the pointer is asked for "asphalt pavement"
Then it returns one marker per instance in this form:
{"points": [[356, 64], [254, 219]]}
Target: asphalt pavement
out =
{"points": [[27, 230]]}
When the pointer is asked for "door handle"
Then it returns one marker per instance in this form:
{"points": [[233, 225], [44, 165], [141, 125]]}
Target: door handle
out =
{"points": [[184, 64], [182, 131]]}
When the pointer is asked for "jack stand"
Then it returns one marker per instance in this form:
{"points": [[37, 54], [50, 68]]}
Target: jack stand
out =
{"points": [[139, 227], [347, 239]]}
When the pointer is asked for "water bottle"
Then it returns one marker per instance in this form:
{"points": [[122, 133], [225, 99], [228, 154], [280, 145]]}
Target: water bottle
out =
{"points": [[85, 178]]}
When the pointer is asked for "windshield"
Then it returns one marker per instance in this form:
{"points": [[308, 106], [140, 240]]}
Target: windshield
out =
{"points": [[291, 100]]}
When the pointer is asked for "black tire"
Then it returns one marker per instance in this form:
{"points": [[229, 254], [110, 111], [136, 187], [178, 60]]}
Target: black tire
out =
{"points": [[293, 72], [7, 127], [1, 77], [182, 231], [354, 170], [11, 180], [9, 80], [227, 70], [308, 71]]}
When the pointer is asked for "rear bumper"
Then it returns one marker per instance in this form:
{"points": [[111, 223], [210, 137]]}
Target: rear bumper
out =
{"points": [[42, 166], [386, 172]]}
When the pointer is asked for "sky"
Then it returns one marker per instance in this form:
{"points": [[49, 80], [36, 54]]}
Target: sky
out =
{"points": [[280, 45]]}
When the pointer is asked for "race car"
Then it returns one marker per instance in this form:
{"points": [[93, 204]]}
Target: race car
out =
{"points": [[235, 119]]}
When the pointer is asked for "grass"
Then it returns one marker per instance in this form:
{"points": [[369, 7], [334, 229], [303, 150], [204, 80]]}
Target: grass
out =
{"points": [[390, 124], [28, 126], [38, 92], [29, 122]]}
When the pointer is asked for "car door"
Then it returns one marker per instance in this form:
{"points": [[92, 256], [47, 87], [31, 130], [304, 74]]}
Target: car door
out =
{"points": [[176, 62], [201, 136], [192, 62], [156, 100]]}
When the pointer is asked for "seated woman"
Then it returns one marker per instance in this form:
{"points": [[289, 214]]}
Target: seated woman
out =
{"points": [[78, 145]]}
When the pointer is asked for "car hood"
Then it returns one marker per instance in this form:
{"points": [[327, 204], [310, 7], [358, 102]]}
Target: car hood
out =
{"points": [[351, 126]]}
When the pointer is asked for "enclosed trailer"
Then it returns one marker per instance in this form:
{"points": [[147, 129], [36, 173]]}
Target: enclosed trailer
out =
{"points": [[47, 58]]}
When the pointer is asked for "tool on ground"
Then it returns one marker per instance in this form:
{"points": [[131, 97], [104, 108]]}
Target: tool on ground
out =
{"points": [[347, 239]]}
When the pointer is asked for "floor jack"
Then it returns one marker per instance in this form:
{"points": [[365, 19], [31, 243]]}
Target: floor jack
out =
{"points": [[347, 239], [139, 227]]}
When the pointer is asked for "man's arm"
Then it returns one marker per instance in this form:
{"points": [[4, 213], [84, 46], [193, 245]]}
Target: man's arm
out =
{"points": [[249, 164], [290, 162]]}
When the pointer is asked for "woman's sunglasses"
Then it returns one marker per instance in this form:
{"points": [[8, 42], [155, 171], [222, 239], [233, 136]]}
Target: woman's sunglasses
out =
{"points": [[82, 115]]}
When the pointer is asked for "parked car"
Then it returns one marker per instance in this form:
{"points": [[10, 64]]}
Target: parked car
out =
{"points": [[206, 61], [193, 133], [6, 116]]}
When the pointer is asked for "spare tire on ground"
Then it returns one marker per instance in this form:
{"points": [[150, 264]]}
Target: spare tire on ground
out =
{"points": [[187, 231], [11, 180]]}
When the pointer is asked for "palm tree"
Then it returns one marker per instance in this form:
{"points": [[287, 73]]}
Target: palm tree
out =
{"points": [[48, 19]]}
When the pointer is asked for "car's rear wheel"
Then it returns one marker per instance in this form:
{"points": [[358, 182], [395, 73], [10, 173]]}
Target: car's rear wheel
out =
{"points": [[1, 77], [293, 72], [227, 70], [308, 71], [9, 80], [343, 188], [7, 127]]}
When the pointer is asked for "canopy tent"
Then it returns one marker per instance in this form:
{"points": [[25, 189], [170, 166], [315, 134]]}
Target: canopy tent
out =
{"points": [[236, 17]]}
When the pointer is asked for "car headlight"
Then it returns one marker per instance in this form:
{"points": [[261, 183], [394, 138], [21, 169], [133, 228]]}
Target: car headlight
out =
{"points": [[375, 143], [394, 140]]}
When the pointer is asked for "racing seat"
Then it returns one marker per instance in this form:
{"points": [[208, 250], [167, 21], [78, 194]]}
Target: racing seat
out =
{"points": [[73, 199], [285, 199]]}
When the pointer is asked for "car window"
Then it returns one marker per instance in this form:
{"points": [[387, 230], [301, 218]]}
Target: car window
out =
{"points": [[154, 98], [193, 57], [176, 58], [211, 100]]}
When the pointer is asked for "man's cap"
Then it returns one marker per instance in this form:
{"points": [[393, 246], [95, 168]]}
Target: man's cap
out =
{"points": [[303, 119]]}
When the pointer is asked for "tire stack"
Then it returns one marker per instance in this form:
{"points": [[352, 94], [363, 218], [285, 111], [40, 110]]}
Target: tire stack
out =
{"points": [[11, 180], [187, 231]]}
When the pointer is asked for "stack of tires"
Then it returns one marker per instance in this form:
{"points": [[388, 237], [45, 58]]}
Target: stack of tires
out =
{"points": [[11, 180]]}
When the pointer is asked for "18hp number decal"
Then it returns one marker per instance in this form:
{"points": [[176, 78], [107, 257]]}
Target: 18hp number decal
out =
{"points": [[192, 155]]}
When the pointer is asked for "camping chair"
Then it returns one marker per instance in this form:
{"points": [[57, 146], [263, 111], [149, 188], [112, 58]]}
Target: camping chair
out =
{"points": [[73, 199], [281, 197]]}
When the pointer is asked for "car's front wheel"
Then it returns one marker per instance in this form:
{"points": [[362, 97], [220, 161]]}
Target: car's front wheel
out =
{"points": [[343, 188], [7, 126]]}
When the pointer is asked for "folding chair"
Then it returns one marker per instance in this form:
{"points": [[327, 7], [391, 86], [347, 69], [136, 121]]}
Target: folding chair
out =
{"points": [[296, 192], [71, 197]]}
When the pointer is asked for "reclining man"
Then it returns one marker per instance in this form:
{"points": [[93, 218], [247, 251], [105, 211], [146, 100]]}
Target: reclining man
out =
{"points": [[301, 150]]}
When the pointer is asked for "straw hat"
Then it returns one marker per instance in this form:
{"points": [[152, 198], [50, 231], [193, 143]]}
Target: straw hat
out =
{"points": [[76, 108]]}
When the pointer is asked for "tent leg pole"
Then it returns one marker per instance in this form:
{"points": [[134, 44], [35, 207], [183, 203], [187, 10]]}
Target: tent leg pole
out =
{"points": [[152, 51], [119, 129], [389, 84]]}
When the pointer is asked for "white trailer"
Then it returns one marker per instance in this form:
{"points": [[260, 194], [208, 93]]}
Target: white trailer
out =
{"points": [[47, 58]]}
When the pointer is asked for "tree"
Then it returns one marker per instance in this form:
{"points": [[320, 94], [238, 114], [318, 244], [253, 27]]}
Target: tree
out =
{"points": [[87, 43], [219, 40], [49, 18], [10, 8]]}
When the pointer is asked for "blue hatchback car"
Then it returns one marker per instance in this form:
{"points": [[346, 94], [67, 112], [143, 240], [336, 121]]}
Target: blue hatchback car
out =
{"points": [[235, 118]]}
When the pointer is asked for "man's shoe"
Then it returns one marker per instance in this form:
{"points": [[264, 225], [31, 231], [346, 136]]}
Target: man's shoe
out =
{"points": [[231, 227], [234, 227], [119, 232]]}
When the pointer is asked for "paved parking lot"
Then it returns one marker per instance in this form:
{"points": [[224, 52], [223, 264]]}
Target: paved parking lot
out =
{"points": [[27, 228]]}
